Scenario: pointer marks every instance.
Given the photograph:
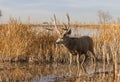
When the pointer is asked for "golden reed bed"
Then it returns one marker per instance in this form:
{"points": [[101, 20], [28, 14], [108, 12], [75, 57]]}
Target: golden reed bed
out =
{"points": [[21, 43]]}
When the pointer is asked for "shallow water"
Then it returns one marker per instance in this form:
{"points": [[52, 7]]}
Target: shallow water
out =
{"points": [[55, 72], [75, 31], [85, 31]]}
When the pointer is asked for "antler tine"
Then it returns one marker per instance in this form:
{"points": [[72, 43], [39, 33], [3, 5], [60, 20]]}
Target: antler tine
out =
{"points": [[65, 27], [56, 28], [68, 20]]}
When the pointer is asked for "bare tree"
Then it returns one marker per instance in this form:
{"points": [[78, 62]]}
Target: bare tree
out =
{"points": [[104, 17], [0, 13]]}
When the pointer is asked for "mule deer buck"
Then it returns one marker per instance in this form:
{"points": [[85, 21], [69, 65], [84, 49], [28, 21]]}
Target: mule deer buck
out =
{"points": [[76, 45]]}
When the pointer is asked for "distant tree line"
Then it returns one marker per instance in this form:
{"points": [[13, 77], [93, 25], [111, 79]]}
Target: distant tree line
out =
{"points": [[104, 17], [0, 13]]}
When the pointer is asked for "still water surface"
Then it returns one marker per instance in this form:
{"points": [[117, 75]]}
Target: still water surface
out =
{"points": [[75, 31], [55, 72]]}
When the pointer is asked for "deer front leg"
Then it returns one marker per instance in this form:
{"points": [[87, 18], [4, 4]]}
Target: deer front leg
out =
{"points": [[78, 59], [83, 57], [70, 54], [70, 63]]}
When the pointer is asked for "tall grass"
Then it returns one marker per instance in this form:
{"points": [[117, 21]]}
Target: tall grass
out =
{"points": [[15, 40], [20, 42], [107, 47]]}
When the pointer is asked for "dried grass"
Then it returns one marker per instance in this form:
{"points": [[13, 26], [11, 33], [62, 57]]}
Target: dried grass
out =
{"points": [[21, 42]]}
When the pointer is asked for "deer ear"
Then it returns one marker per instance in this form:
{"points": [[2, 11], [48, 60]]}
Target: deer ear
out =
{"points": [[69, 31]]}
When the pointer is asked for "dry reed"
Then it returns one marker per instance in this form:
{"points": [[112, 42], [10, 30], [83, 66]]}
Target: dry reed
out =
{"points": [[21, 42]]}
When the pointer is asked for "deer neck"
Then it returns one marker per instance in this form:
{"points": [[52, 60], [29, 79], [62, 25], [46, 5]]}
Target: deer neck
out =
{"points": [[68, 43]]}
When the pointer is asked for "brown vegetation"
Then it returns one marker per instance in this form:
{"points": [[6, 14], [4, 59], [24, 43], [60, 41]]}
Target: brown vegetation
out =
{"points": [[21, 42]]}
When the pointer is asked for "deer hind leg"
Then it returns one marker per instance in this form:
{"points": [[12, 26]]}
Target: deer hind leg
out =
{"points": [[95, 63], [92, 55]]}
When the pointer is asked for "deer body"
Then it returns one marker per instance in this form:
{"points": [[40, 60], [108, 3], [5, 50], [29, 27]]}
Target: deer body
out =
{"points": [[81, 44], [77, 45]]}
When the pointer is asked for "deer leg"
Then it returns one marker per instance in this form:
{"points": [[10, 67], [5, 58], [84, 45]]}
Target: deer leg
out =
{"points": [[70, 58], [83, 63], [94, 60], [70, 63], [92, 55], [78, 58], [95, 63], [78, 64]]}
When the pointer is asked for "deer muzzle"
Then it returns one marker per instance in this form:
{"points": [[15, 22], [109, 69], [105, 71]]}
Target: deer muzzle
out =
{"points": [[59, 41]]}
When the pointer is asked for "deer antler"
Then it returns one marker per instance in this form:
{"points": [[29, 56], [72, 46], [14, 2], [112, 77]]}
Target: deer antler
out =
{"points": [[56, 28], [66, 27], [68, 20]]}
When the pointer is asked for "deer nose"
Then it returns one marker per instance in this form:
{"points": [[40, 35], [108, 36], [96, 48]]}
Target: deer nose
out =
{"points": [[58, 41]]}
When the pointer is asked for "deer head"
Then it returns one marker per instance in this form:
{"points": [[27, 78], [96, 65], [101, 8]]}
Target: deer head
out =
{"points": [[67, 31], [64, 35]]}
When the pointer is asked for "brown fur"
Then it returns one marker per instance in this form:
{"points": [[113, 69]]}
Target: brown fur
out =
{"points": [[80, 45]]}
